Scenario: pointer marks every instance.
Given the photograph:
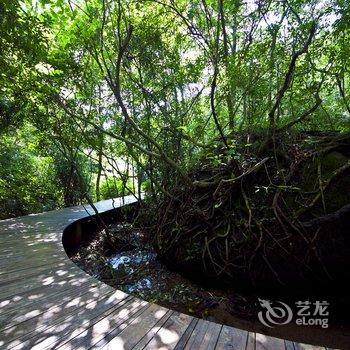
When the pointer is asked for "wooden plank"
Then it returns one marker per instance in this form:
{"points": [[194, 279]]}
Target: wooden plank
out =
{"points": [[166, 335], [289, 345], [22, 272], [232, 338], [17, 289], [120, 324], [20, 249], [74, 279], [135, 330], [42, 296], [211, 336], [18, 276], [26, 234], [71, 309], [27, 254], [33, 262], [250, 341], [89, 335], [72, 331], [36, 318], [42, 263], [186, 335], [197, 335], [35, 240], [300, 346], [149, 336], [264, 342], [45, 302]]}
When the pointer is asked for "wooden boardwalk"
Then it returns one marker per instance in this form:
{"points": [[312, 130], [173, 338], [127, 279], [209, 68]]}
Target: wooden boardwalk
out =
{"points": [[47, 302]]}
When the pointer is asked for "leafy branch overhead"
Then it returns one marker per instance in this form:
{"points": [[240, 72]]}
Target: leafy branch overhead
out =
{"points": [[232, 117]]}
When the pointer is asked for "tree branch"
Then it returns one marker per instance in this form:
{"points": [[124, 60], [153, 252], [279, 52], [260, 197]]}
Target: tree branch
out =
{"points": [[289, 75], [303, 116]]}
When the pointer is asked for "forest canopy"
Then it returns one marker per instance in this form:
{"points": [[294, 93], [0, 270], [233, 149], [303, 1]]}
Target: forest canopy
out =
{"points": [[231, 116], [93, 85]]}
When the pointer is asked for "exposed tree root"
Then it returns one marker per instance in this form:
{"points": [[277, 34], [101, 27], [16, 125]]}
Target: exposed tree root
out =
{"points": [[266, 227]]}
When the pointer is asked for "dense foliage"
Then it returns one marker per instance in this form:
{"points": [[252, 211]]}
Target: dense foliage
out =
{"points": [[104, 98]]}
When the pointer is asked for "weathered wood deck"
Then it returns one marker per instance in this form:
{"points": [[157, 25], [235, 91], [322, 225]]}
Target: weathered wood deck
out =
{"points": [[47, 302]]}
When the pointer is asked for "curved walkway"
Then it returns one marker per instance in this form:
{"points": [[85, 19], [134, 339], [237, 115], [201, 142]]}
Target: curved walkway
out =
{"points": [[47, 302]]}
